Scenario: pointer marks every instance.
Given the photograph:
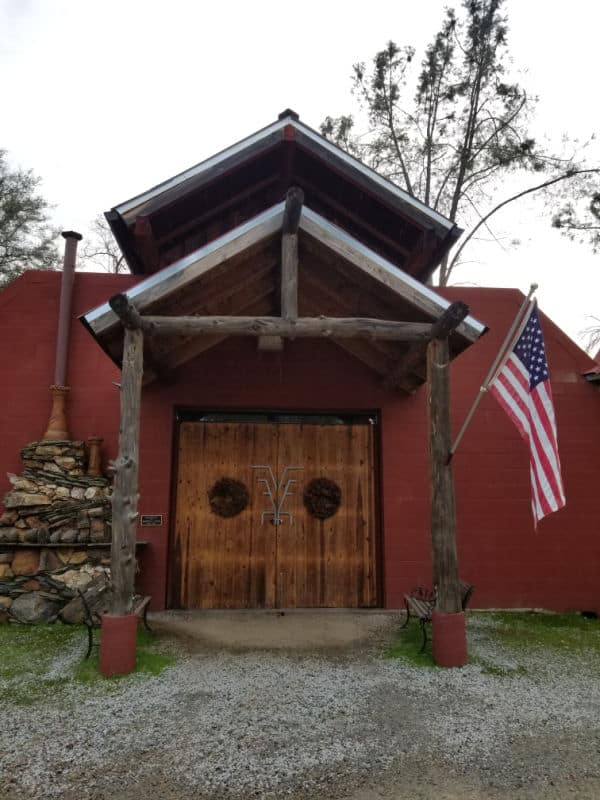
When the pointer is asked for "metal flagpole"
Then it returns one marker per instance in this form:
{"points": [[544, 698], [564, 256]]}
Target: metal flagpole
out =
{"points": [[507, 345]]}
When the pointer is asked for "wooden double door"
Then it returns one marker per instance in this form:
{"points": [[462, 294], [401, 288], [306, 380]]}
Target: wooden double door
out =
{"points": [[261, 557]]}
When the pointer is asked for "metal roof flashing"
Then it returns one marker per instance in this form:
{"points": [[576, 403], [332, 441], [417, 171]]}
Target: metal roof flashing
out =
{"points": [[307, 136]]}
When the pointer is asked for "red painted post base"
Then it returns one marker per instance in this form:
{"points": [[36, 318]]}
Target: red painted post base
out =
{"points": [[117, 644], [449, 634]]}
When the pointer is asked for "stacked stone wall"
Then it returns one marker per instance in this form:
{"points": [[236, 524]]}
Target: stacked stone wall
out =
{"points": [[55, 523]]}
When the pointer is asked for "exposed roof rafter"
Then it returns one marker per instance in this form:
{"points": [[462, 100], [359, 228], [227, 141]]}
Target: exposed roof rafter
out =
{"points": [[187, 270], [349, 294], [215, 196], [263, 140]]}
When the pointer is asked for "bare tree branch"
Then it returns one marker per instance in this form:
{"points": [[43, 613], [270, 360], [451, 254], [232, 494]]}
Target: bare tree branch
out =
{"points": [[531, 190], [101, 250]]}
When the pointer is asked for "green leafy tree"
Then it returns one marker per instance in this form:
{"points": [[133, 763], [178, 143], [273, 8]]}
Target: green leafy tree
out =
{"points": [[27, 239], [452, 129]]}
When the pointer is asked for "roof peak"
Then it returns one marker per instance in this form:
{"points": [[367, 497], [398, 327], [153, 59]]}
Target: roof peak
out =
{"points": [[289, 112]]}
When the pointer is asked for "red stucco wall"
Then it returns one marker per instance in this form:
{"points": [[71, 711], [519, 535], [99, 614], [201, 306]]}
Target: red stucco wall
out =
{"points": [[511, 564]]}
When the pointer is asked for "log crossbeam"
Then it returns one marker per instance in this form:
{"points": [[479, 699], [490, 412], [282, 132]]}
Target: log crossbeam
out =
{"points": [[269, 330], [301, 327]]}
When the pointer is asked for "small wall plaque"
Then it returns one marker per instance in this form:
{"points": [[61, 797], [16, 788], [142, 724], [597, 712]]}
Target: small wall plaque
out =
{"points": [[152, 520]]}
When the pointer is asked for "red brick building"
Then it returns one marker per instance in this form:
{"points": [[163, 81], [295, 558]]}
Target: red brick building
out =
{"points": [[328, 406]]}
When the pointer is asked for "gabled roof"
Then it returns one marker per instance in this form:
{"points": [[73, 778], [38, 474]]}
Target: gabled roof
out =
{"points": [[238, 274], [178, 216]]}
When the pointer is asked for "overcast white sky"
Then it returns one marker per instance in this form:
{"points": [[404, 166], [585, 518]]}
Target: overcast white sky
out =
{"points": [[105, 99]]}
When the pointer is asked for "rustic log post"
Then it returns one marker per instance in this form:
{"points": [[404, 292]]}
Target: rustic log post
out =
{"points": [[125, 491], [449, 634], [443, 513]]}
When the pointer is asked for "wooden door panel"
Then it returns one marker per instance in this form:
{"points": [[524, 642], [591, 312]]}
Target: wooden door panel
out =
{"points": [[332, 562], [298, 565], [224, 562], [238, 562]]}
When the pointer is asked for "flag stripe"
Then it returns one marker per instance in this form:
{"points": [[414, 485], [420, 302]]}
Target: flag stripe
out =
{"points": [[505, 394], [541, 469], [542, 429], [522, 387], [532, 433], [552, 450]]}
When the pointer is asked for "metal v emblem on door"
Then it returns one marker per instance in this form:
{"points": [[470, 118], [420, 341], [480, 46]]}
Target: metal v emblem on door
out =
{"points": [[277, 492]]}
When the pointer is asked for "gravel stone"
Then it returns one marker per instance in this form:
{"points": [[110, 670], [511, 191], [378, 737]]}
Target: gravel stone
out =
{"points": [[221, 724]]}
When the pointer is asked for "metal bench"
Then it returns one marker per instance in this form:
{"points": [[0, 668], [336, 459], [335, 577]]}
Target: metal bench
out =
{"points": [[92, 621], [421, 603]]}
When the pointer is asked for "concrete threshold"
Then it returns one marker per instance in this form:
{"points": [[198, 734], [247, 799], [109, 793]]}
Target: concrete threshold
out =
{"points": [[278, 629]]}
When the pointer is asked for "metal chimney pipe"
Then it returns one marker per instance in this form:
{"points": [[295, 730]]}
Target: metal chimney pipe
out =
{"points": [[58, 428], [64, 312]]}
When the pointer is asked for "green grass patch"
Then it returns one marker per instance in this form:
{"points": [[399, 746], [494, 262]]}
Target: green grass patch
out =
{"points": [[406, 646], [38, 662], [511, 635], [529, 630], [148, 661]]}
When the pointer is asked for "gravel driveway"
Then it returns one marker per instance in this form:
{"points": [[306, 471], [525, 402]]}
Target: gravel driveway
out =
{"points": [[355, 725]]}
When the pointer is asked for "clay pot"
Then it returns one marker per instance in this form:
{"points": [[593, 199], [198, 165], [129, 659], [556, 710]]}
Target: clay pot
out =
{"points": [[94, 456], [57, 425]]}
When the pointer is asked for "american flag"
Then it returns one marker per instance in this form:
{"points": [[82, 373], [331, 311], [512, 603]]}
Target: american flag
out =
{"points": [[522, 387]]}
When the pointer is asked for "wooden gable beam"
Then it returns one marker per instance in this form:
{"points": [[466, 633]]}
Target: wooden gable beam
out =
{"points": [[289, 253], [423, 253], [181, 274], [396, 281], [146, 244], [200, 220], [361, 350], [401, 252], [370, 352], [187, 349], [194, 266], [289, 264], [400, 374], [415, 354], [323, 300]]}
